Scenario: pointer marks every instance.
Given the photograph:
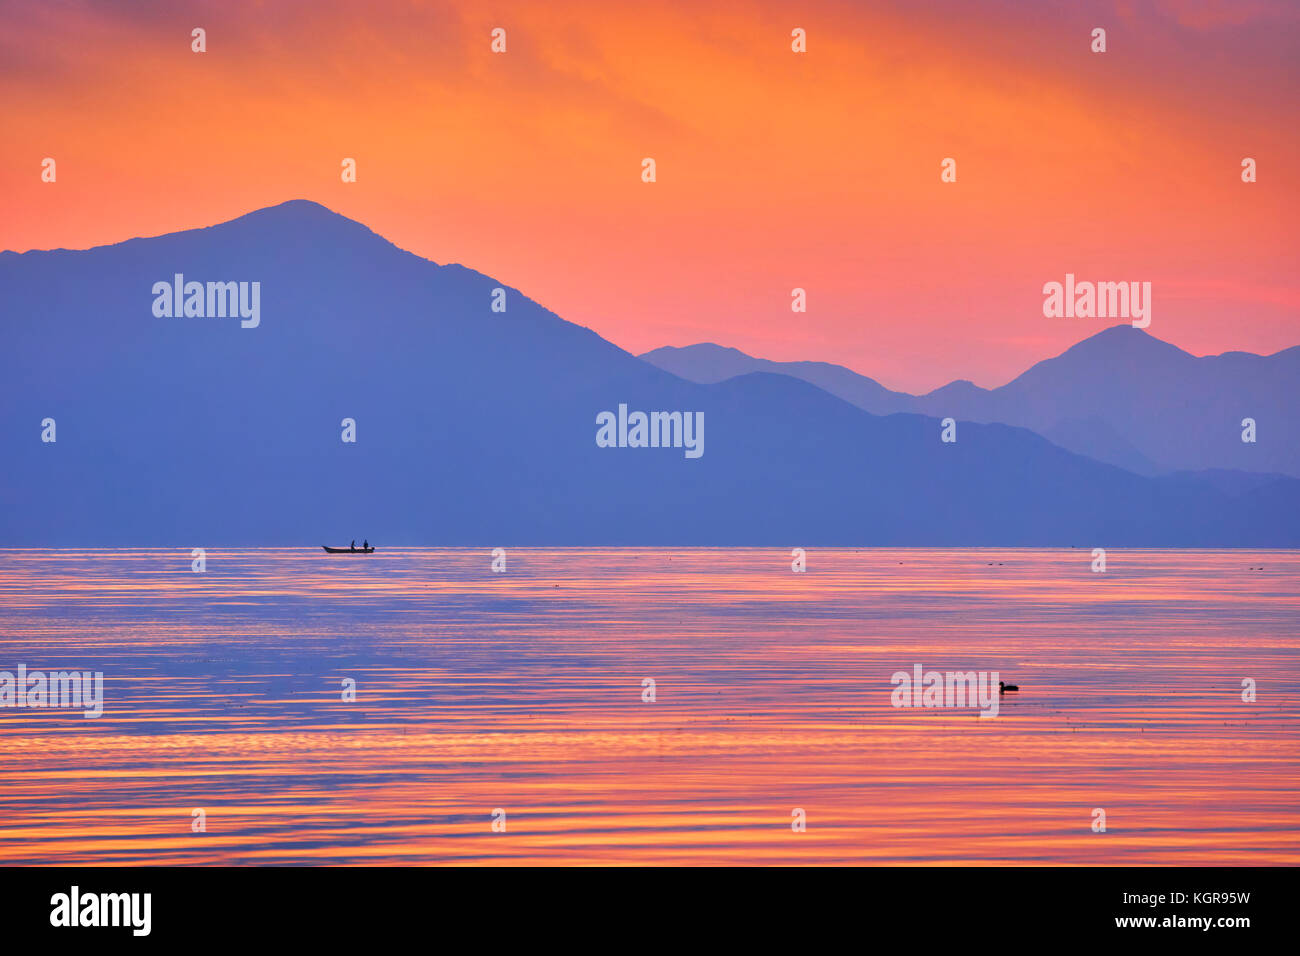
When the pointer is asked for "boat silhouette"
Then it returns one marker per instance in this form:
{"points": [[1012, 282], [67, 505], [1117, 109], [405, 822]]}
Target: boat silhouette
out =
{"points": [[329, 550]]}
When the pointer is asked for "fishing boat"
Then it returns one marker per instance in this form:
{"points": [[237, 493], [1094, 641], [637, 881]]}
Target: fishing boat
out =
{"points": [[329, 550]]}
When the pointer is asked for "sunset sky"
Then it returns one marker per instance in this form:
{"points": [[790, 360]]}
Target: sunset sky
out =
{"points": [[775, 169]]}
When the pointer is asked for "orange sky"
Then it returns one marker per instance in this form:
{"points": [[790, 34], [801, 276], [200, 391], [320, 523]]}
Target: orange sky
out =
{"points": [[775, 169]]}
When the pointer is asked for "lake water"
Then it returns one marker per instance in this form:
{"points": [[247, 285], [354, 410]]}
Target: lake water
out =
{"points": [[523, 691]]}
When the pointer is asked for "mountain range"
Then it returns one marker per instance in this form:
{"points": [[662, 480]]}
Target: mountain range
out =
{"points": [[1121, 396], [478, 427]]}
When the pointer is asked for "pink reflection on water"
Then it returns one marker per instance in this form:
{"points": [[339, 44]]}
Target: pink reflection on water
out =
{"points": [[523, 691]]}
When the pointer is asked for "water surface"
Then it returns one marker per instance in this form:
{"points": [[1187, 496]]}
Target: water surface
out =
{"points": [[523, 691]]}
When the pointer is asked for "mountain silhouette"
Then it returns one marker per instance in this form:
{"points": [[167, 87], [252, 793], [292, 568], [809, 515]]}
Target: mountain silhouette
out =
{"points": [[478, 427], [1120, 396]]}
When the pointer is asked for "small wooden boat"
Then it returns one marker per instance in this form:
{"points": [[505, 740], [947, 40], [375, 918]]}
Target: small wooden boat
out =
{"points": [[329, 550]]}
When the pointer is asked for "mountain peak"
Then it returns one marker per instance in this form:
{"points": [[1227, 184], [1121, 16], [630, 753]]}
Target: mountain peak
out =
{"points": [[295, 223], [699, 348], [292, 221], [302, 216], [704, 362], [299, 210], [1123, 338]]}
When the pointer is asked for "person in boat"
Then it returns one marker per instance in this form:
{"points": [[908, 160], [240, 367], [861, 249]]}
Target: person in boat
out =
{"points": [[354, 544], [365, 545]]}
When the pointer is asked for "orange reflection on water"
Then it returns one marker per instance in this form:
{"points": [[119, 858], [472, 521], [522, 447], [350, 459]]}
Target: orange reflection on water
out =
{"points": [[523, 691]]}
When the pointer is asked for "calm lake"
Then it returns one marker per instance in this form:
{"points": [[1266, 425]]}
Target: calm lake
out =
{"points": [[522, 691]]}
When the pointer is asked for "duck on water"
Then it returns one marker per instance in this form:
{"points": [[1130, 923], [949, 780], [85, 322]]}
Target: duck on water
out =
{"points": [[364, 549]]}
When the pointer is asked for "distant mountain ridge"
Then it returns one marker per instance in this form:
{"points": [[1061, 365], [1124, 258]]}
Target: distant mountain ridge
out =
{"points": [[1120, 396], [478, 427]]}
